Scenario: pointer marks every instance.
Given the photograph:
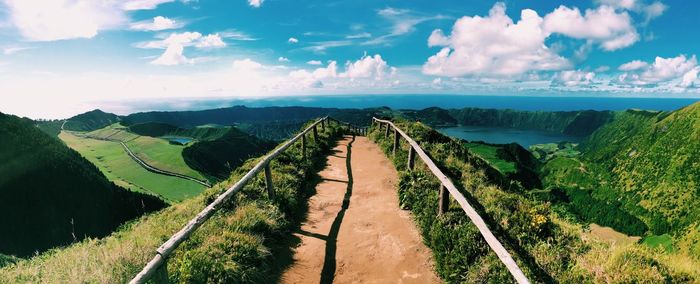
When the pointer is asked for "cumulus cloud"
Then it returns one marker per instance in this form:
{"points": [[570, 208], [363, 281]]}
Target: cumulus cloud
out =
{"points": [[612, 29], [633, 65], [173, 55], [493, 45], [158, 23], [282, 59], [680, 69], [292, 40], [255, 3], [50, 20], [314, 78], [175, 44], [314, 62], [367, 67], [648, 11], [573, 78], [210, 41]]}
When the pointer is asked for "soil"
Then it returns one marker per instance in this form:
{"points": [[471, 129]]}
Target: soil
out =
{"points": [[355, 231]]}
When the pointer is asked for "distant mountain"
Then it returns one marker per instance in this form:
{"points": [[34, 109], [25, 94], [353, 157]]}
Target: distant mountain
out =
{"points": [[90, 121], [51, 196], [217, 158], [226, 116], [576, 123]]}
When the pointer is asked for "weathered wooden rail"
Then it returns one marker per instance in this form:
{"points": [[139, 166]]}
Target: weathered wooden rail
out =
{"points": [[156, 269], [447, 188]]}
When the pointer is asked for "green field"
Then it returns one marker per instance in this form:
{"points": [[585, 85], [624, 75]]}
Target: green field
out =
{"points": [[122, 170], [163, 155], [490, 154], [664, 241]]}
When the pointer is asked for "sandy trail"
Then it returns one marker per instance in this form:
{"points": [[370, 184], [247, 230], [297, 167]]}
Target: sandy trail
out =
{"points": [[355, 231]]}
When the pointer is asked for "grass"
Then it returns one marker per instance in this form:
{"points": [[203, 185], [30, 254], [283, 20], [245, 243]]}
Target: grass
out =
{"points": [[242, 243], [664, 241], [111, 159], [490, 154], [163, 155], [549, 248]]}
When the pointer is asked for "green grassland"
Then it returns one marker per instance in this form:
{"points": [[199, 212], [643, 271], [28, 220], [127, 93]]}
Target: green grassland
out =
{"points": [[490, 154], [245, 242], [162, 154], [111, 159]]}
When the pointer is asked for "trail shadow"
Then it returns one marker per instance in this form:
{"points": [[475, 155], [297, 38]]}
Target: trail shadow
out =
{"points": [[333, 180], [329, 263], [282, 251]]}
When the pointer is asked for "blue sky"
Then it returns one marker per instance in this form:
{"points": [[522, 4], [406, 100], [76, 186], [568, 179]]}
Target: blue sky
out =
{"points": [[75, 53]]}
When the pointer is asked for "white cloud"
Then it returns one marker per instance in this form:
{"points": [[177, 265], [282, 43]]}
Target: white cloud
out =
{"points": [[573, 78], [314, 62], [173, 55], [624, 4], [292, 40], [678, 69], [237, 35], [611, 29], [313, 79], [493, 46], [158, 23], [255, 3], [283, 59], [210, 41], [50, 20], [15, 49], [633, 65], [366, 67], [402, 22], [648, 11], [360, 35], [132, 5], [690, 79]]}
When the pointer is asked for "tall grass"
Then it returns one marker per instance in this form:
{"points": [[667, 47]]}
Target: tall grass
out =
{"points": [[238, 244]]}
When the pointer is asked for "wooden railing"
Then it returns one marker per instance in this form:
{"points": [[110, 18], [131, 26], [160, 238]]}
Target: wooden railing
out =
{"points": [[156, 269], [447, 188]]}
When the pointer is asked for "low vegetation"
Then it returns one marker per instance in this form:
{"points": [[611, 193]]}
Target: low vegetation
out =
{"points": [[90, 121], [548, 246], [245, 242]]}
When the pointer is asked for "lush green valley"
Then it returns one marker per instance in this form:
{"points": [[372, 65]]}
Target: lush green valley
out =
{"points": [[54, 195]]}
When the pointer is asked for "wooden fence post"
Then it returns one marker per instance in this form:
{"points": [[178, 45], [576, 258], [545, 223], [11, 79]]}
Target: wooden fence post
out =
{"points": [[411, 158], [268, 182], [444, 202], [396, 141], [386, 132], [323, 125], [303, 145], [315, 135], [161, 275]]}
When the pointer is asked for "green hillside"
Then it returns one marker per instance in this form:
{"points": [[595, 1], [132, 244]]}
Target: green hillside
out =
{"points": [[54, 195], [245, 242], [638, 174], [90, 121], [217, 158], [157, 129], [653, 161], [548, 246]]}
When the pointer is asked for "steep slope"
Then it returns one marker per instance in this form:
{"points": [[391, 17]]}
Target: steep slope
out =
{"points": [[653, 160], [226, 116], [90, 121], [51, 196], [217, 158]]}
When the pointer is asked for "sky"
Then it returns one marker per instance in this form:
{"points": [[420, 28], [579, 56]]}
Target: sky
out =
{"points": [[59, 57]]}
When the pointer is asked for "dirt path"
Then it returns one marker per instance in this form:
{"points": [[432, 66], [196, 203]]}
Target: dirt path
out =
{"points": [[355, 231]]}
